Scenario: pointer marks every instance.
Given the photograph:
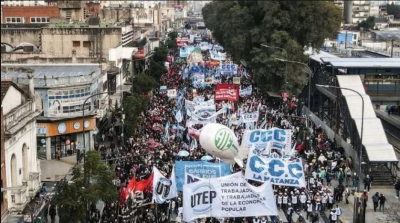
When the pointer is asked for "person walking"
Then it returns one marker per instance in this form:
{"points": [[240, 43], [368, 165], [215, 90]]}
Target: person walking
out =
{"points": [[397, 188], [332, 216], [58, 154], [367, 183], [382, 200], [375, 200]]}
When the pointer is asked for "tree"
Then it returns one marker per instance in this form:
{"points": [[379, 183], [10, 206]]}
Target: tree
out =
{"points": [[72, 199], [171, 43], [394, 10], [368, 24], [242, 26], [143, 84], [134, 105]]}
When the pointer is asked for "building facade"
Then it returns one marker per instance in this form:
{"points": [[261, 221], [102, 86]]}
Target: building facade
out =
{"points": [[61, 43], [63, 90], [22, 168], [4, 205], [28, 14]]}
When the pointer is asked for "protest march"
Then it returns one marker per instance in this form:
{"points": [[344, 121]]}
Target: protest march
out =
{"points": [[213, 148]]}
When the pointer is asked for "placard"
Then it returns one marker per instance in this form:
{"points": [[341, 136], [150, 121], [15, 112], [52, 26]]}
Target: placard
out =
{"points": [[259, 138], [274, 169], [228, 92], [250, 117], [236, 80], [201, 169], [171, 93]]}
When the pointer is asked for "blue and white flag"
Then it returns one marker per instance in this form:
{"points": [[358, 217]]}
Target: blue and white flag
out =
{"points": [[179, 116], [166, 132]]}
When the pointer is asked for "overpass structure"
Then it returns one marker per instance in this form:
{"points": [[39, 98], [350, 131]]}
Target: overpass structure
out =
{"points": [[339, 111]]}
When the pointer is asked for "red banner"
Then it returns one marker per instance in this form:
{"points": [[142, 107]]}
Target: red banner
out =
{"points": [[228, 92]]}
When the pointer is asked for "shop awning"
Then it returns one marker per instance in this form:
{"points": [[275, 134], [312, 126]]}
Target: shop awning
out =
{"points": [[121, 53]]}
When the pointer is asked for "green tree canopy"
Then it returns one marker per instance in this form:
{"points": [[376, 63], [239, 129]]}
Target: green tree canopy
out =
{"points": [[133, 106], [368, 24], [242, 26], [394, 10], [73, 198], [143, 83]]}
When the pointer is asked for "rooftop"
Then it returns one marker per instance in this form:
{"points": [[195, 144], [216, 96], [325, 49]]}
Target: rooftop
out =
{"points": [[52, 74], [339, 62], [5, 85], [392, 34], [81, 25]]}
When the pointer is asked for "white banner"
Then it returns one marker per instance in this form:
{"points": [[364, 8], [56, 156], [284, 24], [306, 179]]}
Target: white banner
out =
{"points": [[163, 188], [227, 198], [192, 178], [274, 169], [281, 139], [250, 117], [171, 93], [245, 91]]}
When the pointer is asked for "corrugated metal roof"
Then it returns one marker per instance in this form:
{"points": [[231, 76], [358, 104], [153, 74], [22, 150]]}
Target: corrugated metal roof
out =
{"points": [[388, 34], [374, 137], [50, 71], [362, 62], [321, 54]]}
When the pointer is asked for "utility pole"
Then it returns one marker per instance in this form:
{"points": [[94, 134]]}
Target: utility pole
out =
{"points": [[391, 54]]}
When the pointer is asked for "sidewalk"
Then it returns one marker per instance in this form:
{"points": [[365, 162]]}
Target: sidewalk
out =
{"points": [[370, 216], [55, 170]]}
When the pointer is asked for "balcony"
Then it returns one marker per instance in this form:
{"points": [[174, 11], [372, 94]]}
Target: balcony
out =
{"points": [[360, 16], [362, 3], [33, 183], [361, 9], [69, 4], [18, 197], [19, 117]]}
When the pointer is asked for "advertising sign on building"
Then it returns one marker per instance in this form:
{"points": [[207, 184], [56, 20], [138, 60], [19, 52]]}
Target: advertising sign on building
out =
{"points": [[68, 101], [228, 92], [178, 9], [202, 169], [221, 198]]}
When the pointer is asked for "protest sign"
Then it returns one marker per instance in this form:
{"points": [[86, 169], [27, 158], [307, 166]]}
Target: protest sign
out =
{"points": [[274, 169], [230, 198], [236, 80], [250, 117], [281, 139], [201, 169], [229, 92]]}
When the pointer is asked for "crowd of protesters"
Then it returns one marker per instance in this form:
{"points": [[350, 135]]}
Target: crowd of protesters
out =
{"points": [[135, 157]]}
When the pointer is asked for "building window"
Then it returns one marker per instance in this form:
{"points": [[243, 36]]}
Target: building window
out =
{"points": [[14, 20], [68, 15], [40, 19], [76, 43], [86, 44]]}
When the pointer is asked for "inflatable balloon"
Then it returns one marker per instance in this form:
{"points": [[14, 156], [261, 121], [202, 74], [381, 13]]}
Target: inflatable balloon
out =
{"points": [[221, 142]]}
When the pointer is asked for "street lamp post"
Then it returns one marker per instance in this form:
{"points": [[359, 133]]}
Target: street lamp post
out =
{"points": [[309, 77], [286, 56], [362, 123]]}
